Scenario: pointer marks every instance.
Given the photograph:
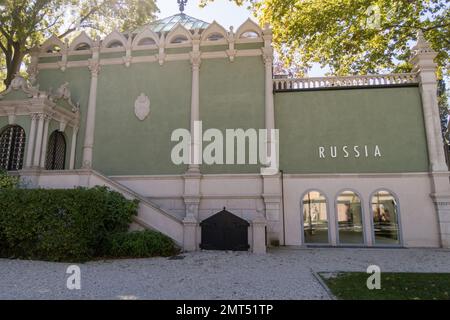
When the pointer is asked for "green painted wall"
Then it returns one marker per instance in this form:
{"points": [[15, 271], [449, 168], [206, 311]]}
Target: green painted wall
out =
{"points": [[389, 117], [232, 97], [16, 95], [111, 55], [125, 145], [79, 83], [248, 46], [214, 48], [49, 59], [79, 57]]}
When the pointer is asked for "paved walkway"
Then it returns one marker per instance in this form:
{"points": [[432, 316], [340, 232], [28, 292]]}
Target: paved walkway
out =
{"points": [[281, 274]]}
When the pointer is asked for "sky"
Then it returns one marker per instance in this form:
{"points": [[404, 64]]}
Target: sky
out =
{"points": [[224, 12]]}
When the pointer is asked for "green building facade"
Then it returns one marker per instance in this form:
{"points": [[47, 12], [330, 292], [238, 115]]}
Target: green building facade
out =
{"points": [[359, 159]]}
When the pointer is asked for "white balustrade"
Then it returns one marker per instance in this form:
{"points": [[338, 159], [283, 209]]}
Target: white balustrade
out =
{"points": [[283, 84]]}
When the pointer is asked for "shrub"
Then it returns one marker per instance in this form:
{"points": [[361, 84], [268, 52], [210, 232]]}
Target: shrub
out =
{"points": [[139, 244], [7, 181], [60, 225]]}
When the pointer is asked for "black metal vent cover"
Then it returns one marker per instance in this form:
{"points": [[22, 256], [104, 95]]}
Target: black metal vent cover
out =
{"points": [[224, 231]]}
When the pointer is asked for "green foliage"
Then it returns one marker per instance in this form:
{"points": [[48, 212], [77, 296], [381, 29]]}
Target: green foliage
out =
{"points": [[394, 286], [60, 225], [443, 109], [354, 36], [139, 244], [25, 24], [7, 181]]}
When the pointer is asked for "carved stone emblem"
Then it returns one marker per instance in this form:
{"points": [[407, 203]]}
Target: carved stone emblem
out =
{"points": [[142, 107]]}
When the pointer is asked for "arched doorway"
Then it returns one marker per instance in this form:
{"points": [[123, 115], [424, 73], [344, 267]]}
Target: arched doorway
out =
{"points": [[56, 152], [315, 218], [12, 147], [349, 218], [385, 215]]}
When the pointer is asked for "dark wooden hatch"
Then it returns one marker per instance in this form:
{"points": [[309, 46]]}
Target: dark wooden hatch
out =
{"points": [[224, 231]]}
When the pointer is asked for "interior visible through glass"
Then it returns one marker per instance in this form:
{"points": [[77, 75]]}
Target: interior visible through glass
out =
{"points": [[315, 219], [349, 218], [385, 218]]}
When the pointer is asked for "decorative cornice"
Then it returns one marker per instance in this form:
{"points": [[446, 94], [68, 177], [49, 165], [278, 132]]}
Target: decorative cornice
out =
{"points": [[161, 41]]}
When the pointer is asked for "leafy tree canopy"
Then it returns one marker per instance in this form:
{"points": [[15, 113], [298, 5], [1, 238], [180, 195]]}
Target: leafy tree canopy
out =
{"points": [[26, 23], [354, 36]]}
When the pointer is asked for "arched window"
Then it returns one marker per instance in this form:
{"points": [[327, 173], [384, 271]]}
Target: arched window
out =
{"points": [[249, 35], [56, 152], [215, 37], [146, 42], [12, 147], [179, 39], [115, 44], [82, 46], [53, 49], [385, 218], [350, 218], [315, 218]]}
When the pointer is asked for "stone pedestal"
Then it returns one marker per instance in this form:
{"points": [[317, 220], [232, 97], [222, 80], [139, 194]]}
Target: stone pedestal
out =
{"points": [[259, 235], [273, 208], [190, 226], [29, 178], [442, 203]]}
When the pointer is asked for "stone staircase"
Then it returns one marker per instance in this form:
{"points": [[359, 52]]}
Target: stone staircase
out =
{"points": [[150, 215]]}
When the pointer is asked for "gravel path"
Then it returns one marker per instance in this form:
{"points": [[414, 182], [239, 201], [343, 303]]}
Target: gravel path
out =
{"points": [[281, 274]]}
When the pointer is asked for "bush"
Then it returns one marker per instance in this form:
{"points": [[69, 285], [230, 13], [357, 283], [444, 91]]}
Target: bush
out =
{"points": [[61, 225], [8, 182], [139, 244]]}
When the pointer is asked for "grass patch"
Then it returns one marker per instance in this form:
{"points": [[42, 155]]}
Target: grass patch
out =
{"points": [[394, 286]]}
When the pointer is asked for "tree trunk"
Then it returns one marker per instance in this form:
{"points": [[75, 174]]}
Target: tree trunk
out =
{"points": [[14, 66]]}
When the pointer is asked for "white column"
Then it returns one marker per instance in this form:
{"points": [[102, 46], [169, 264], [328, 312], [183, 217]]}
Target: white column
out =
{"points": [[267, 54], [40, 131], [192, 177], [44, 142], [88, 145], [73, 146], [423, 61], [271, 183], [31, 140], [195, 111]]}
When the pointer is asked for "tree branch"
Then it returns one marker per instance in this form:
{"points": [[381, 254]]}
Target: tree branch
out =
{"points": [[3, 48], [5, 34], [82, 19]]}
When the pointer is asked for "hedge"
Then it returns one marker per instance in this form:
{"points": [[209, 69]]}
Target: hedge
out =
{"points": [[8, 182], [139, 244], [61, 225]]}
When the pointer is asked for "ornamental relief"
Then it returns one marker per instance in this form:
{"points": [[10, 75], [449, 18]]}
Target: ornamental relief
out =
{"points": [[142, 107]]}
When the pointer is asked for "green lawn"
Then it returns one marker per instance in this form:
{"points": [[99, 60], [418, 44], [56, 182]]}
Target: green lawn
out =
{"points": [[394, 286]]}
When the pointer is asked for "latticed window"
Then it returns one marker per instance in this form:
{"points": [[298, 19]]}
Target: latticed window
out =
{"points": [[12, 147], [56, 152]]}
